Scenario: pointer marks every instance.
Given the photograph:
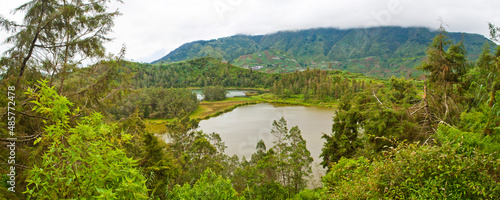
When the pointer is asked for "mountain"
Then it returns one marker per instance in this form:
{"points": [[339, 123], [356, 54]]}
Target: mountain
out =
{"points": [[380, 51]]}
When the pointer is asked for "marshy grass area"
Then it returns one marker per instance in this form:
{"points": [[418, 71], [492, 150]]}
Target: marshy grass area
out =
{"points": [[205, 110], [208, 109]]}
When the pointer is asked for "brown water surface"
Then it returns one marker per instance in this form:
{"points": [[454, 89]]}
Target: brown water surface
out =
{"points": [[243, 127]]}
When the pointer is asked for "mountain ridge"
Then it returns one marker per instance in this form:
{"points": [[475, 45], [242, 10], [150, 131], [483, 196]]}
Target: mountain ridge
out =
{"points": [[379, 51]]}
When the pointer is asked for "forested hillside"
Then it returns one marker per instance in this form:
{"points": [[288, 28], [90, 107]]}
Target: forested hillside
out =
{"points": [[380, 51], [198, 73]]}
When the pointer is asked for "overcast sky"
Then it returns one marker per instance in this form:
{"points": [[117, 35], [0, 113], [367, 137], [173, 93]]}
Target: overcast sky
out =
{"points": [[152, 28]]}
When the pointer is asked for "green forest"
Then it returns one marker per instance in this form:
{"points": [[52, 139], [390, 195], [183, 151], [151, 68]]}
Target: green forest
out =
{"points": [[82, 132]]}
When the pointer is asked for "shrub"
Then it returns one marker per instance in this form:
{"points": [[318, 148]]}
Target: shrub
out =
{"points": [[214, 93], [454, 170], [80, 161], [209, 186]]}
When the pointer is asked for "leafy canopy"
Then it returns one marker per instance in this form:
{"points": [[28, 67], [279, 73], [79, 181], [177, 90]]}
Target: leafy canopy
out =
{"points": [[80, 162]]}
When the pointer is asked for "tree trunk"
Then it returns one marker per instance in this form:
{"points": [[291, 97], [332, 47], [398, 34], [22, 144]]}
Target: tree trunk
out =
{"points": [[30, 52], [63, 71], [487, 129]]}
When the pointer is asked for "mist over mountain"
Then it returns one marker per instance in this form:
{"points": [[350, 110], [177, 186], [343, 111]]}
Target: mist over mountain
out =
{"points": [[379, 51]]}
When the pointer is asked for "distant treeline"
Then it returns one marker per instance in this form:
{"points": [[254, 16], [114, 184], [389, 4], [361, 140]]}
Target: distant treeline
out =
{"points": [[199, 73], [210, 73], [157, 102], [316, 84]]}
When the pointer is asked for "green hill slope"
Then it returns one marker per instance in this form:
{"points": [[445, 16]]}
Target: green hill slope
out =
{"points": [[198, 72], [382, 51]]}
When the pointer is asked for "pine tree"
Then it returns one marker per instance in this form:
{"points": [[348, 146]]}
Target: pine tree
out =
{"points": [[300, 160], [446, 68], [344, 140], [54, 34], [159, 166]]}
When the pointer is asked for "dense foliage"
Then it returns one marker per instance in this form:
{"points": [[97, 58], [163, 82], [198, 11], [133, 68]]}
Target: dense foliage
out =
{"points": [[198, 73], [279, 172], [317, 85], [155, 103], [417, 172], [209, 186], [214, 93], [81, 161], [81, 131], [442, 145]]}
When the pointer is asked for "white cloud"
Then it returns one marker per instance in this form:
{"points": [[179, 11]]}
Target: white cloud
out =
{"points": [[152, 28], [6, 12]]}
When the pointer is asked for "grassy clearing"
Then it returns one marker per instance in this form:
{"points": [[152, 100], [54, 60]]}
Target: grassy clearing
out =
{"points": [[208, 109], [157, 125], [205, 110], [293, 100]]}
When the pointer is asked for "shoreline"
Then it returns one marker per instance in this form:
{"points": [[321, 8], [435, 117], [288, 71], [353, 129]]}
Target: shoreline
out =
{"points": [[209, 109]]}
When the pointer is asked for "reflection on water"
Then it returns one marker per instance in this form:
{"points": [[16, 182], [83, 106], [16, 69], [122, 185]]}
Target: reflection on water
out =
{"points": [[230, 93], [243, 127]]}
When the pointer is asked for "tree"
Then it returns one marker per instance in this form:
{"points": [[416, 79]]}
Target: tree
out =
{"points": [[402, 91], [54, 37], [260, 153], [293, 159], [455, 169], [271, 190], [194, 150], [279, 172], [300, 160], [344, 140], [214, 93], [179, 133], [159, 165], [158, 103], [280, 133], [492, 68], [484, 82], [446, 69], [80, 161], [56, 33], [209, 186]]}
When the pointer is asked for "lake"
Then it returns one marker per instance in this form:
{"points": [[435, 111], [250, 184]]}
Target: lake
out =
{"points": [[243, 127], [230, 93]]}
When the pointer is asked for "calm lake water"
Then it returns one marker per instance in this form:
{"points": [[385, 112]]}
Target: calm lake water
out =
{"points": [[243, 127], [230, 93]]}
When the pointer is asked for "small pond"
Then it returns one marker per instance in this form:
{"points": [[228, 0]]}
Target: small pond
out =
{"points": [[230, 93]]}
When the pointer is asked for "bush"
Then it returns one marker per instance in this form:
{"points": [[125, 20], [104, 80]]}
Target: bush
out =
{"points": [[214, 93], [350, 178], [454, 170], [272, 190], [307, 194], [468, 142], [80, 162], [209, 186]]}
